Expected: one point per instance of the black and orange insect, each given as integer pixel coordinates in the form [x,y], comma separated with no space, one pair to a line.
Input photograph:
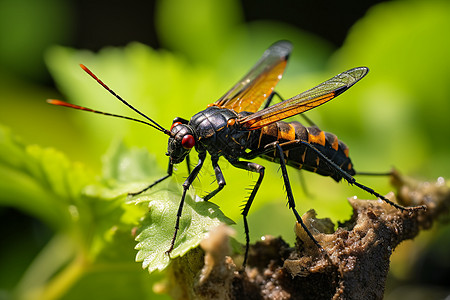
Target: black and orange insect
[235,128]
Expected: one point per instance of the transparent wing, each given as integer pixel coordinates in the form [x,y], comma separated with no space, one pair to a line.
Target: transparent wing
[251,91]
[314,97]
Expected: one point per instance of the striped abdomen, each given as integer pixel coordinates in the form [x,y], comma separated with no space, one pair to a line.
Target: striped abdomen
[302,157]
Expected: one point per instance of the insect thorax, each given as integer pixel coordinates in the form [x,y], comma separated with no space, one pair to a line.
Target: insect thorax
[216,135]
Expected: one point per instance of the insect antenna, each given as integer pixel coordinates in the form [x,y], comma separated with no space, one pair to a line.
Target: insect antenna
[62,103]
[153,123]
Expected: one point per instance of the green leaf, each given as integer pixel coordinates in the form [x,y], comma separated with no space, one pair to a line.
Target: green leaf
[124,170]
[92,231]
[157,229]
[40,181]
[131,169]
[93,220]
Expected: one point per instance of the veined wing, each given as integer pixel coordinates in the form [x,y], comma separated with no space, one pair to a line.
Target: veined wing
[314,97]
[251,91]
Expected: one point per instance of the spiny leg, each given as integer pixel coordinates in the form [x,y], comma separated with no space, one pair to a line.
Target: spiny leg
[280,148]
[290,196]
[349,178]
[186,185]
[219,177]
[249,166]
[310,123]
[169,173]
[294,144]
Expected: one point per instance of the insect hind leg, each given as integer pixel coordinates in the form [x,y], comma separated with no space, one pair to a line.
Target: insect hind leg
[290,196]
[350,179]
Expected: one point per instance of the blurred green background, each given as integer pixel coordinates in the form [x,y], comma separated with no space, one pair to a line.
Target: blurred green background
[171,58]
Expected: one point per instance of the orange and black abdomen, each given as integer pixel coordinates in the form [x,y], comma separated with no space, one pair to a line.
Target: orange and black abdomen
[302,157]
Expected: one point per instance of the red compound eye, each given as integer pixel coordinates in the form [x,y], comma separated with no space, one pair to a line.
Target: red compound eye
[174,124]
[188,141]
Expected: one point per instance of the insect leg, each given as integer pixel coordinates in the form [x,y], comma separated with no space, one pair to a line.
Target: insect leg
[352,180]
[269,99]
[310,123]
[260,151]
[186,185]
[290,196]
[249,166]
[219,178]
[268,148]
[169,173]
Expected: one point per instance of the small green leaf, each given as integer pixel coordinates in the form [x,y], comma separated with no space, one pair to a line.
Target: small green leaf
[131,169]
[157,229]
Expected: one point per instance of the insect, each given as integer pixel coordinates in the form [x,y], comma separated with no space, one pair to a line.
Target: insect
[235,128]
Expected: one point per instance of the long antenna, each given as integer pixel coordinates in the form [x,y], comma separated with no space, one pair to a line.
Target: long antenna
[62,103]
[118,97]
[154,124]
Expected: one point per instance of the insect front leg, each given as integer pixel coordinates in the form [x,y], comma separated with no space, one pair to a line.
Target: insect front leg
[219,177]
[169,173]
[186,185]
[249,166]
